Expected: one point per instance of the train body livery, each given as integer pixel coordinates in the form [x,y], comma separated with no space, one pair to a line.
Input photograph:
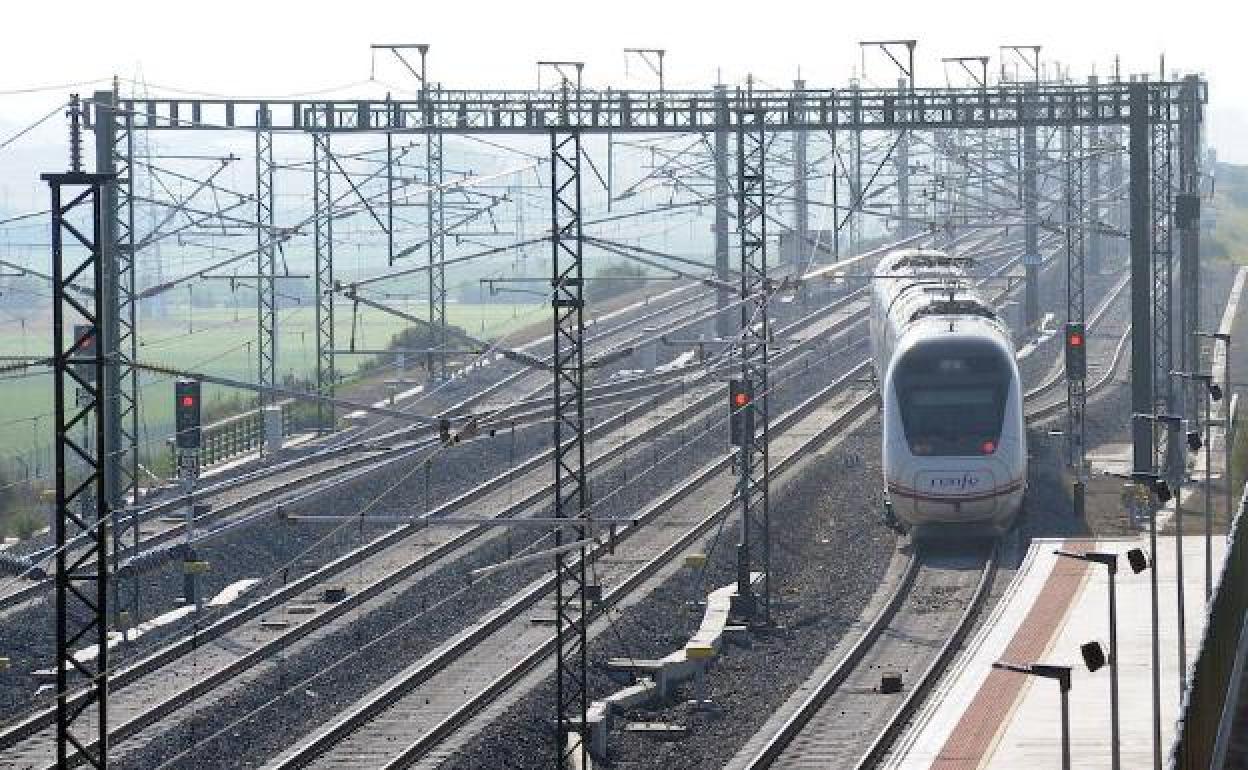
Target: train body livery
[954,442]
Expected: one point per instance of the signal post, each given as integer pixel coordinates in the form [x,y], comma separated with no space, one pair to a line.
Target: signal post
[187,439]
[1076,342]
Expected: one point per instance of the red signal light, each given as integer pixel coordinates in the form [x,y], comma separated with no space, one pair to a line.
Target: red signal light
[188,401]
[741,399]
[1076,339]
[988,447]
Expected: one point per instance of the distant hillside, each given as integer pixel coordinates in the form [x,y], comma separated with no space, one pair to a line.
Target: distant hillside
[1230,201]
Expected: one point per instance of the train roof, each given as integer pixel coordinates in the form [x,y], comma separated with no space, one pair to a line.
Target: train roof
[927,284]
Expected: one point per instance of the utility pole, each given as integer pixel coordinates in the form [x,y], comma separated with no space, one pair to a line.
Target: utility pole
[1187,220]
[572,701]
[724,326]
[801,210]
[753,492]
[82,507]
[902,162]
[323,216]
[1095,210]
[266,280]
[118,333]
[1031,217]
[1076,392]
[1142,460]
[435,201]
[855,184]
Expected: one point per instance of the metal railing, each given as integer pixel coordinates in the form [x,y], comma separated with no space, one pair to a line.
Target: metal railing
[236,435]
[1208,710]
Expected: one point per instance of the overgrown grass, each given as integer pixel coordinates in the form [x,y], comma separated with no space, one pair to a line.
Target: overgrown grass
[1229,238]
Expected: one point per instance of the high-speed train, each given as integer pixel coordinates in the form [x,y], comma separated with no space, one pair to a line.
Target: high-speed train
[954,442]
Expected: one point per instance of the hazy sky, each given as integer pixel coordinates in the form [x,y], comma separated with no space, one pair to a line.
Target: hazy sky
[283,48]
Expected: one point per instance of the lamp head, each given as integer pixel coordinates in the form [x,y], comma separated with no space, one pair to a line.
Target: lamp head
[1162,490]
[1093,655]
[1193,440]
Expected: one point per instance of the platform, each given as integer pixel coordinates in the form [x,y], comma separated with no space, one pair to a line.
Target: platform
[979,718]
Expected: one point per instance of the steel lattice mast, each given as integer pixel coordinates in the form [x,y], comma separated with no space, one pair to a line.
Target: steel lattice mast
[569,420]
[752,490]
[81,389]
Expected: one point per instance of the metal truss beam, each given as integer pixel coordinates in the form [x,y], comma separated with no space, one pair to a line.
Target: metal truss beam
[1077,218]
[114,151]
[801,197]
[1031,228]
[622,111]
[81,388]
[266,265]
[1096,209]
[1161,207]
[752,488]
[1139,143]
[902,163]
[723,190]
[114,155]
[323,203]
[435,201]
[571,489]
[1187,221]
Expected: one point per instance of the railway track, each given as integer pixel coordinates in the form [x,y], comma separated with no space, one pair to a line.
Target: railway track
[404,721]
[922,624]
[130,726]
[929,613]
[375,568]
[429,701]
[164,523]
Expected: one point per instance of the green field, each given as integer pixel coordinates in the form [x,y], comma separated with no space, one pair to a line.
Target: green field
[215,341]
[1230,215]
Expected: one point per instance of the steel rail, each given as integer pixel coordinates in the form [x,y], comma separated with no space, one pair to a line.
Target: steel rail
[829,684]
[32,724]
[387,696]
[866,643]
[378,703]
[932,674]
[265,475]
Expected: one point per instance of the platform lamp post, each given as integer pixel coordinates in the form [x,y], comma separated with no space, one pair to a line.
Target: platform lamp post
[1160,490]
[1048,671]
[1093,658]
[1139,563]
[1212,393]
[1175,423]
[1225,339]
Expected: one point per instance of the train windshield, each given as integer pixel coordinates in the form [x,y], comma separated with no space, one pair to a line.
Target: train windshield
[952,398]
